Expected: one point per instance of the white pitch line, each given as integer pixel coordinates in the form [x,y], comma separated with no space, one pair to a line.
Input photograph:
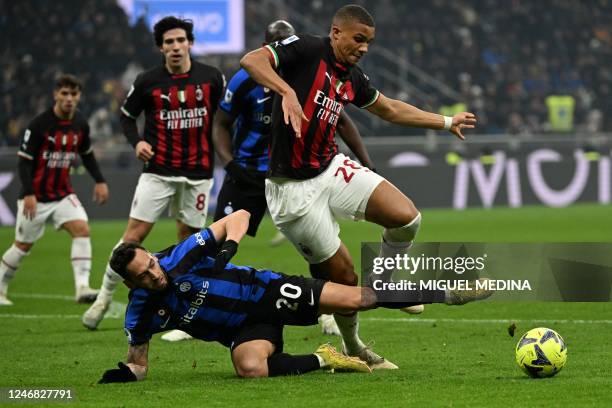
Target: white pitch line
[481,321]
[46,316]
[371,319]
[41,296]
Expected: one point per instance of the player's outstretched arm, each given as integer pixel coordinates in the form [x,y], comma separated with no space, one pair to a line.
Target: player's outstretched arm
[350,134]
[232,227]
[401,113]
[257,63]
[230,230]
[134,370]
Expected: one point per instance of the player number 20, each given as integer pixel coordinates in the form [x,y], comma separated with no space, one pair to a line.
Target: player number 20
[289,291]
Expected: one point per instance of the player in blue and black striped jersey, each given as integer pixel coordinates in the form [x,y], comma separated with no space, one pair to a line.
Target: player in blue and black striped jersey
[194,287]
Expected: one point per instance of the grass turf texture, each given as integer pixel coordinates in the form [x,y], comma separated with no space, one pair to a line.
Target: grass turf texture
[449,356]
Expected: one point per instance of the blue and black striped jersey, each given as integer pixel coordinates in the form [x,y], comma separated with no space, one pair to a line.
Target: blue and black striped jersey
[251,106]
[210,306]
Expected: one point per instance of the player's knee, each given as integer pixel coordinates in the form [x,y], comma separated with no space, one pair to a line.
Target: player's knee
[250,367]
[405,233]
[24,246]
[80,230]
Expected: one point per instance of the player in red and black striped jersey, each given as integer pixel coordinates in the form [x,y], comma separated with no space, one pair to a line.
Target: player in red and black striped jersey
[310,184]
[178,118]
[179,99]
[48,149]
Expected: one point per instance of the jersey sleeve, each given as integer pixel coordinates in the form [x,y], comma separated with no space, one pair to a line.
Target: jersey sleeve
[134,102]
[236,93]
[139,317]
[188,252]
[85,146]
[31,141]
[294,50]
[365,93]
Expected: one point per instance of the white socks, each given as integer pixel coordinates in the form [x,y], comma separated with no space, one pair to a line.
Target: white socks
[399,240]
[349,327]
[8,265]
[80,256]
[110,281]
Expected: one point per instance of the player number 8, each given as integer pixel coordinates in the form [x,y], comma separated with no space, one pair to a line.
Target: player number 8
[292,292]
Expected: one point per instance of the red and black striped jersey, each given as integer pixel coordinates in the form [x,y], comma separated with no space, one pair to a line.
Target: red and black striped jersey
[179,112]
[323,87]
[52,144]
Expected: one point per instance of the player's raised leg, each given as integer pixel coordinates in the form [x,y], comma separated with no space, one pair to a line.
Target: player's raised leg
[392,209]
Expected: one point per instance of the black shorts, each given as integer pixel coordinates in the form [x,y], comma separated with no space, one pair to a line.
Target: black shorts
[260,331]
[289,300]
[235,196]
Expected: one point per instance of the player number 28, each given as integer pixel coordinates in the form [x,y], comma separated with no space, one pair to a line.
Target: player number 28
[348,174]
[289,291]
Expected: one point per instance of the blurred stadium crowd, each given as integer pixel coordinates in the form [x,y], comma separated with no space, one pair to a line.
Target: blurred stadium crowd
[524,67]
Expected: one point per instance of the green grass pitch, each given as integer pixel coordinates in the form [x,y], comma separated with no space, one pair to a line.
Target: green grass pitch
[448,356]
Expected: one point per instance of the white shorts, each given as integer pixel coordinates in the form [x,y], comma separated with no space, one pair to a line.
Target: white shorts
[305,211]
[188,199]
[67,209]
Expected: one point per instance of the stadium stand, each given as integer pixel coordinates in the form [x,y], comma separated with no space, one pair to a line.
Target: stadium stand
[527,67]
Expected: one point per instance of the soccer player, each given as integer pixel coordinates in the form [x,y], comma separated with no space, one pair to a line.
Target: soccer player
[241,135]
[46,154]
[179,99]
[194,287]
[310,185]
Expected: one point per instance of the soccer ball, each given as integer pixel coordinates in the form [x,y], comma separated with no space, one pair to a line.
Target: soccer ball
[541,352]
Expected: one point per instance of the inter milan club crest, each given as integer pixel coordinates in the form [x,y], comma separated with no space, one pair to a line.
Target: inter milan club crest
[161,312]
[185,287]
[199,94]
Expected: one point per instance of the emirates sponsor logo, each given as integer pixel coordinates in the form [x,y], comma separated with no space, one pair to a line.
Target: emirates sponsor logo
[181,113]
[183,118]
[329,109]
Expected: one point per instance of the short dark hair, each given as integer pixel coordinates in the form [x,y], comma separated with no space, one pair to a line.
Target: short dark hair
[353,12]
[169,23]
[122,256]
[68,81]
[278,30]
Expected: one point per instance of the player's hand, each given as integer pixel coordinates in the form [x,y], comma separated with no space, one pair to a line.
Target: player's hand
[121,374]
[100,193]
[144,151]
[462,120]
[292,112]
[242,176]
[228,250]
[29,206]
